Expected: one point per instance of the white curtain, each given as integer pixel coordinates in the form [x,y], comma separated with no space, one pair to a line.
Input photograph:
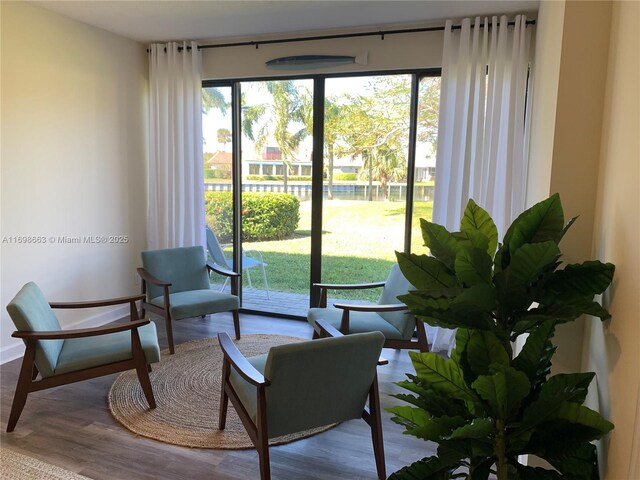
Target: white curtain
[481,130]
[176,183]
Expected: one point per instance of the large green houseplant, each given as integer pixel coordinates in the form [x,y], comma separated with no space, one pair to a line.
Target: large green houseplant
[485,405]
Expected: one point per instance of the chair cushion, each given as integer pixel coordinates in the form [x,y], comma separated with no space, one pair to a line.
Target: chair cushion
[197,302]
[318,382]
[185,268]
[81,353]
[396,284]
[31,312]
[359,322]
[313,383]
[246,391]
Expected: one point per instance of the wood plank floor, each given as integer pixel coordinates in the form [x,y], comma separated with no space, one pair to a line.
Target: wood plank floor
[71,427]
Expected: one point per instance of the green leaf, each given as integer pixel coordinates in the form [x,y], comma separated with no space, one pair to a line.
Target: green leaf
[441,243]
[503,391]
[570,430]
[479,428]
[579,414]
[535,357]
[565,229]
[537,473]
[431,468]
[475,219]
[580,464]
[470,239]
[516,284]
[432,402]
[483,350]
[555,392]
[425,272]
[478,298]
[413,419]
[542,222]
[585,280]
[572,386]
[462,338]
[443,376]
[559,313]
[529,262]
[473,266]
[420,424]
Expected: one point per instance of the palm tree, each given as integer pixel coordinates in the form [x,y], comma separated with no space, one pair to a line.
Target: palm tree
[284,119]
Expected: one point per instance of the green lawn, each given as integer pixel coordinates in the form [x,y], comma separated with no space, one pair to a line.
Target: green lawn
[358,243]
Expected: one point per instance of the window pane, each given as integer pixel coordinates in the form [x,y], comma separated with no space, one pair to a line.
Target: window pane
[365,164]
[425,173]
[216,130]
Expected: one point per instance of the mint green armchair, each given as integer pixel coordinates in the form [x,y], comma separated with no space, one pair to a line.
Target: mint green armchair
[61,356]
[389,316]
[304,385]
[176,284]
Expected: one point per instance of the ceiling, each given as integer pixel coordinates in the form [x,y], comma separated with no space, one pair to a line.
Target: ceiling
[148,21]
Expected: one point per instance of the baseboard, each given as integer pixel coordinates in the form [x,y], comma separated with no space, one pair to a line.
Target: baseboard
[16,349]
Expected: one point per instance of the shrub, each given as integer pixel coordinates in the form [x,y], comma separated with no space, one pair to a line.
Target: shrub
[345,176]
[265,216]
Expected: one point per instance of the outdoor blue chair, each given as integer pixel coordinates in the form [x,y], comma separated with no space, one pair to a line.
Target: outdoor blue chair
[61,356]
[389,316]
[249,260]
[176,284]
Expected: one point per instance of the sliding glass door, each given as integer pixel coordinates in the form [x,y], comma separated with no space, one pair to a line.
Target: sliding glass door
[276,139]
[366,139]
[334,210]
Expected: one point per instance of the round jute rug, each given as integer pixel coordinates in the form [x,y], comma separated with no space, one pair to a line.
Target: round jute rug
[186,386]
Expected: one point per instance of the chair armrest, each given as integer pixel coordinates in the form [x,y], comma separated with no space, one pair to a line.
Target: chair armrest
[221,270]
[79,333]
[147,277]
[349,286]
[97,303]
[327,330]
[372,308]
[239,362]
[253,254]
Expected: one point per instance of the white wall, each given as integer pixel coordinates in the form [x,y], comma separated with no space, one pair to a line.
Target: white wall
[584,145]
[404,51]
[73,153]
[611,349]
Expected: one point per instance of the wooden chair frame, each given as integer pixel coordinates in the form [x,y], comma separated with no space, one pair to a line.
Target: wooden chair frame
[27,382]
[421,343]
[165,311]
[258,432]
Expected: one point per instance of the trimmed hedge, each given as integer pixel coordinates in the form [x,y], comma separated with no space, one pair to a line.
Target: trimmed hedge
[265,216]
[345,176]
[291,178]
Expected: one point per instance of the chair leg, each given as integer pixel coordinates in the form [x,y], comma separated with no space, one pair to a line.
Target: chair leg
[236,323]
[423,343]
[141,368]
[167,320]
[224,398]
[266,285]
[246,271]
[376,429]
[263,436]
[22,388]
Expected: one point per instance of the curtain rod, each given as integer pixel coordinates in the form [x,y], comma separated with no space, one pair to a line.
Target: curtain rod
[381,33]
